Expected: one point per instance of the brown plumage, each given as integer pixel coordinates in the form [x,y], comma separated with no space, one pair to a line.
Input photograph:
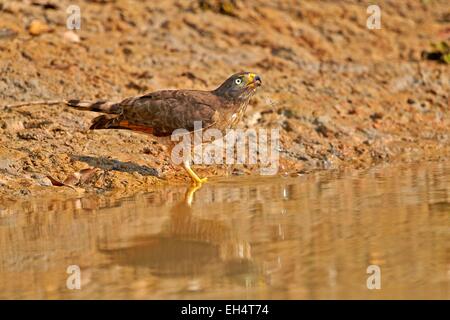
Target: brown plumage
[160,113]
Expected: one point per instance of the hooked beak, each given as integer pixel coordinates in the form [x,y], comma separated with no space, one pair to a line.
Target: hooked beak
[254,80]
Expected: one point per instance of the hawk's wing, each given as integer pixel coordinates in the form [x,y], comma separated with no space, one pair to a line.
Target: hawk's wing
[162,112]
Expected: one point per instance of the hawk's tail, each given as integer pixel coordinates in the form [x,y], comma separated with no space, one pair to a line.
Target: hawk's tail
[98,106]
[105,121]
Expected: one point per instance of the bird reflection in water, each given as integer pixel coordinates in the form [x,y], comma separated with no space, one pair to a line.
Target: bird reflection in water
[189,246]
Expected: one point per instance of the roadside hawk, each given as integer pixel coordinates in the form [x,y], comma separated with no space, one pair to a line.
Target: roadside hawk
[160,113]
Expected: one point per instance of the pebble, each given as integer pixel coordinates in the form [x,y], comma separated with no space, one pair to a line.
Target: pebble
[38,27]
[42,180]
[71,36]
[6,33]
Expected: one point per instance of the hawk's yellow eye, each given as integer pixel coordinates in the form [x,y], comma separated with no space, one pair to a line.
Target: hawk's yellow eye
[238,81]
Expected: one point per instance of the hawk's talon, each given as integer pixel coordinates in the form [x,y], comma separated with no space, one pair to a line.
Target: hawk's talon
[201,181]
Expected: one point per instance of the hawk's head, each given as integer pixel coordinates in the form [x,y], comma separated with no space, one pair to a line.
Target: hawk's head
[240,86]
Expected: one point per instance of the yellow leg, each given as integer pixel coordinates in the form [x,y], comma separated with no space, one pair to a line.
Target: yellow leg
[189,196]
[195,178]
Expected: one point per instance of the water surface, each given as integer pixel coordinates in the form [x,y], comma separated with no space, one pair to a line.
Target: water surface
[309,237]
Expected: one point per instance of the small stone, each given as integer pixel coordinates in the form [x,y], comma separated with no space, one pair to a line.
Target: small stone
[7,34]
[42,180]
[15,125]
[71,36]
[6,165]
[38,27]
[376,116]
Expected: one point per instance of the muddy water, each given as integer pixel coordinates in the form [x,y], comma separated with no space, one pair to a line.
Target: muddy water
[311,237]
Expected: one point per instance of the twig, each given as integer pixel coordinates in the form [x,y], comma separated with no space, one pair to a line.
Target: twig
[32,103]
